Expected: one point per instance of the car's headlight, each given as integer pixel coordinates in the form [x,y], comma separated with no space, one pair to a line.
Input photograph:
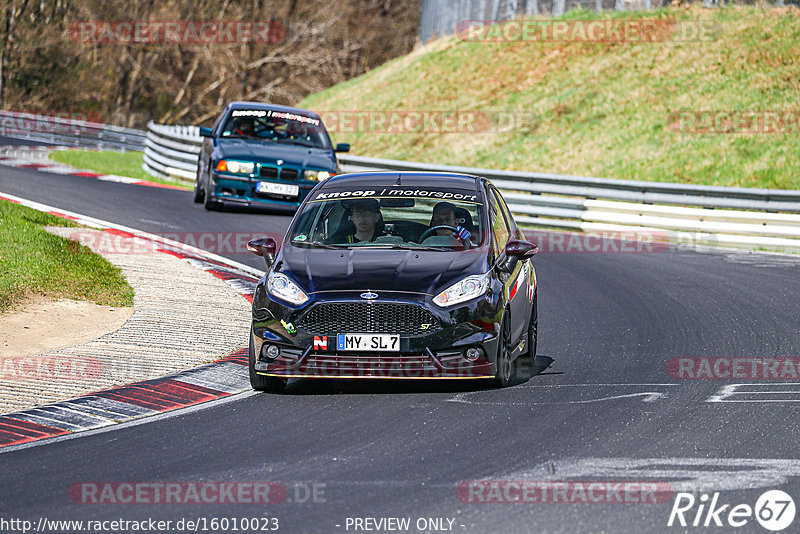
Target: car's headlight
[463,290]
[236,167]
[284,288]
[316,175]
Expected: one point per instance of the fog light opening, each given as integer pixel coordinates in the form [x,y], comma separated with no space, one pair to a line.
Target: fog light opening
[270,352]
[472,354]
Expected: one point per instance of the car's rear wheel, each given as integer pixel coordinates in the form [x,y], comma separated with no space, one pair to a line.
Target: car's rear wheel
[533,335]
[502,375]
[198,188]
[259,382]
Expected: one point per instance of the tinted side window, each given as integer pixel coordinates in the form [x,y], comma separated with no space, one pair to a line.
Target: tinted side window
[511,223]
[499,226]
[217,121]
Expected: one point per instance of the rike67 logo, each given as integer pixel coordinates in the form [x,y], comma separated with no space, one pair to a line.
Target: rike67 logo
[774,510]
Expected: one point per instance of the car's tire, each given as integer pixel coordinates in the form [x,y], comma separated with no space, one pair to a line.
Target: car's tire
[262,383]
[503,361]
[533,337]
[198,188]
[208,201]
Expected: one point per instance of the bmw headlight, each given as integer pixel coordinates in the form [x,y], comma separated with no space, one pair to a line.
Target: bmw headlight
[316,175]
[284,288]
[463,290]
[236,167]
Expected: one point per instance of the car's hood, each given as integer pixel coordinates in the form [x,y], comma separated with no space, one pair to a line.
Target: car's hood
[266,152]
[379,269]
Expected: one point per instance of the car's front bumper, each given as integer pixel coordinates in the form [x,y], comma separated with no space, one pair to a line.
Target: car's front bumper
[242,191]
[438,355]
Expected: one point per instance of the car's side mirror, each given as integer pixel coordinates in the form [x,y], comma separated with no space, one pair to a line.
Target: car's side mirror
[342,147]
[265,247]
[205,132]
[517,248]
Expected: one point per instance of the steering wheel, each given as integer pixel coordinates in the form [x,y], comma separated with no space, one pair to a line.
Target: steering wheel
[429,232]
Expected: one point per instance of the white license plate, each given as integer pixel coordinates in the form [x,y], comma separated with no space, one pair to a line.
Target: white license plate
[278,189]
[369,342]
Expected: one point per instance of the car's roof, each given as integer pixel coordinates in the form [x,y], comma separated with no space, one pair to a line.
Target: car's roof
[449,180]
[268,107]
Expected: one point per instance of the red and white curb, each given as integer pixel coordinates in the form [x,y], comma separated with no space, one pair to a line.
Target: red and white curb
[212,381]
[37,164]
[216,380]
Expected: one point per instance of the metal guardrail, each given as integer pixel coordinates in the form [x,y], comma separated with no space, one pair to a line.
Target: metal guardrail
[62,131]
[697,214]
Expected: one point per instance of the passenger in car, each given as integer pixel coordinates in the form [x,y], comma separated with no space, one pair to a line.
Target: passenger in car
[366,225]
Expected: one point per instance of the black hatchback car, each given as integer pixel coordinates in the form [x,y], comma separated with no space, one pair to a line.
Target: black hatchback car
[263,155]
[396,275]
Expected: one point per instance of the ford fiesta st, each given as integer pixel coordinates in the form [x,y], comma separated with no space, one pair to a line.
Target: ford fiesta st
[263,155]
[396,275]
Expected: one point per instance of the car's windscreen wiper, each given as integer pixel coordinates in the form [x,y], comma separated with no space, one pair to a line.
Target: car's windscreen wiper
[404,246]
[316,244]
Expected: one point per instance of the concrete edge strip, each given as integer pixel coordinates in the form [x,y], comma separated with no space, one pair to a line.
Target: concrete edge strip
[56,168]
[208,382]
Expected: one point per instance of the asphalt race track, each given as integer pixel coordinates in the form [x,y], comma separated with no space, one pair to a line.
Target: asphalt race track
[607,410]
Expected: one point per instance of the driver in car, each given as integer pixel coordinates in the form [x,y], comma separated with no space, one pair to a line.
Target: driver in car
[244,126]
[444,214]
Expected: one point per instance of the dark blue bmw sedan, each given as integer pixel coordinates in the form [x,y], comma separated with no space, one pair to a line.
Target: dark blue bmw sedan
[263,155]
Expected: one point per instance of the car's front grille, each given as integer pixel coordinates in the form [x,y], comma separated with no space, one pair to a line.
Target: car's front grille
[285,174]
[269,172]
[366,317]
[289,174]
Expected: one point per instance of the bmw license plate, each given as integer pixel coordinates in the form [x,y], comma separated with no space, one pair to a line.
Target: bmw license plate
[370,342]
[288,190]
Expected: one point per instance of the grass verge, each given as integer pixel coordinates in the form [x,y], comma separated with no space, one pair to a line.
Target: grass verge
[597,109]
[110,162]
[33,261]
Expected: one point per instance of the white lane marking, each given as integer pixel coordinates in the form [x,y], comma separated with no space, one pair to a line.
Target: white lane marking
[740,392]
[649,396]
[140,420]
[683,474]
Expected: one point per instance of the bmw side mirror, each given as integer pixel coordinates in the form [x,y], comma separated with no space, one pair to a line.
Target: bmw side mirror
[266,247]
[521,249]
[342,147]
[205,132]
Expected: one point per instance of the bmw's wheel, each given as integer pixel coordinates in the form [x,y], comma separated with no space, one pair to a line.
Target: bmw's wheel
[198,189]
[259,382]
[208,201]
[503,374]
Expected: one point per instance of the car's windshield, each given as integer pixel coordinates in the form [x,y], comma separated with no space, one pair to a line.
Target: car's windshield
[407,222]
[276,127]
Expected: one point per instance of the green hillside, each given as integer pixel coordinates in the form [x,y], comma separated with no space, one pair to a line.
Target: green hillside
[600,109]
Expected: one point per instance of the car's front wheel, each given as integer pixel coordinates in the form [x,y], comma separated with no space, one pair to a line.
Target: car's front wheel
[208,200]
[502,375]
[259,382]
[198,187]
